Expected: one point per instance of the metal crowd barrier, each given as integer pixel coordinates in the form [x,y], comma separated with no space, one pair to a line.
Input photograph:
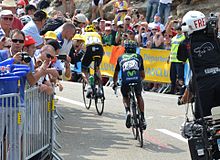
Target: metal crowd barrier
[27,130]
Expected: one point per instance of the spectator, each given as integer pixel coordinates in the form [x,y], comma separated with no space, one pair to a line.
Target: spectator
[29,47]
[80,20]
[32,28]
[20,12]
[152,7]
[21,4]
[97,5]
[107,37]
[30,9]
[131,34]
[167,41]
[119,33]
[50,35]
[164,9]
[127,23]
[11,5]
[120,10]
[102,26]
[47,53]
[65,33]
[157,23]
[144,35]
[158,40]
[6,19]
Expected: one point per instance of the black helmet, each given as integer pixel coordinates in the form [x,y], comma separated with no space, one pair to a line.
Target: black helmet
[130,46]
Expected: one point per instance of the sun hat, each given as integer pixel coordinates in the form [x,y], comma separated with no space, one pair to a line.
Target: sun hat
[50,35]
[29,41]
[8,3]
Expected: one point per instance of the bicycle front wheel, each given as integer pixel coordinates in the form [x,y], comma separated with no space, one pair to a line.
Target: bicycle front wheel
[87,101]
[99,102]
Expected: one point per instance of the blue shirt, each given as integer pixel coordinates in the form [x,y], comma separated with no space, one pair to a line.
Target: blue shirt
[31,29]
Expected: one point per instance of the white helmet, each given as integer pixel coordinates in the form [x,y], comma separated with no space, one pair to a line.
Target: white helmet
[193,21]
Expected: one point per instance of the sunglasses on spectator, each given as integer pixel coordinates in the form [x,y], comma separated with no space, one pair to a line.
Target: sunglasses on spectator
[7,46]
[7,18]
[107,24]
[17,40]
[49,56]
[127,19]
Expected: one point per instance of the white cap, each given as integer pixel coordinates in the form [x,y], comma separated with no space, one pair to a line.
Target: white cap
[129,17]
[20,11]
[6,13]
[120,23]
[81,18]
[108,28]
[108,22]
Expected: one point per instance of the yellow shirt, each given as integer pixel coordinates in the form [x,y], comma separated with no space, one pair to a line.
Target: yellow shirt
[92,38]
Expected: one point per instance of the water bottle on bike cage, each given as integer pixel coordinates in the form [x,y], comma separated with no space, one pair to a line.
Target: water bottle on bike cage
[91,80]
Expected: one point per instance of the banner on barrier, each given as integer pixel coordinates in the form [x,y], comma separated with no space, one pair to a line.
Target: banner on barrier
[155,64]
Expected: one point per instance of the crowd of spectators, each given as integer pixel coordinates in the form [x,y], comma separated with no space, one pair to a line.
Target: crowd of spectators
[153,31]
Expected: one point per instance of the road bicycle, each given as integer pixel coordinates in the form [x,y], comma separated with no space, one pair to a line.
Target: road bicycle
[96,86]
[136,121]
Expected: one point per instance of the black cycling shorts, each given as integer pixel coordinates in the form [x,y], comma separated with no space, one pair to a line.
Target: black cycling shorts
[125,88]
[92,50]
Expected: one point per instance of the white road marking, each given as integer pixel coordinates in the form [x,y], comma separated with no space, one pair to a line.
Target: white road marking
[70,101]
[172,134]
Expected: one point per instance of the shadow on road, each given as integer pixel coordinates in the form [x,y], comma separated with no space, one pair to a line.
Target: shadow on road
[84,136]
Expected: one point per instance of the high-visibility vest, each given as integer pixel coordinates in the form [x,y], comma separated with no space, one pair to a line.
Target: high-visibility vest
[175,42]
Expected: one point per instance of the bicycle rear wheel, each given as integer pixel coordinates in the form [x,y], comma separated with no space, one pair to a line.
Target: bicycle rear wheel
[87,101]
[99,101]
[140,131]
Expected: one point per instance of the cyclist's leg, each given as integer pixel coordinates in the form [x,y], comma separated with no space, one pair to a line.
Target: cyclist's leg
[140,101]
[126,101]
[86,61]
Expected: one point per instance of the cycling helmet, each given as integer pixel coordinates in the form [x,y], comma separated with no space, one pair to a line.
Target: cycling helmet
[130,46]
[90,28]
[193,21]
[25,19]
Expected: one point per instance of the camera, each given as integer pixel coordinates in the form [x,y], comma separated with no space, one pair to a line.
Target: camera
[25,57]
[61,57]
[212,24]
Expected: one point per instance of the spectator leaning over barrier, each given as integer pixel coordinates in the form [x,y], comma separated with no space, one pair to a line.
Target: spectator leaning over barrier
[47,54]
[177,67]
[157,23]
[33,27]
[29,47]
[152,7]
[15,51]
[65,33]
[97,5]
[6,19]
[164,9]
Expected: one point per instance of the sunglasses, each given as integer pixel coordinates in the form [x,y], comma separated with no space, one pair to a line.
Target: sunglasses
[49,56]
[127,19]
[7,46]
[7,18]
[17,40]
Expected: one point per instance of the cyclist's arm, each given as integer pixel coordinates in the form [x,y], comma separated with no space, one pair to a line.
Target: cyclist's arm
[115,76]
[142,73]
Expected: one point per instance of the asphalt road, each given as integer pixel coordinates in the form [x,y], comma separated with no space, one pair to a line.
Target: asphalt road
[88,136]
